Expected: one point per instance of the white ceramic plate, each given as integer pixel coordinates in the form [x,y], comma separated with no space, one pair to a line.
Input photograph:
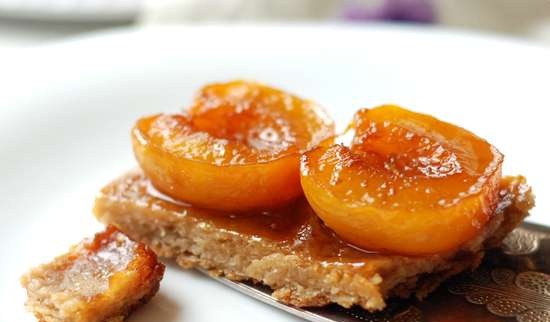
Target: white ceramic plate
[66,111]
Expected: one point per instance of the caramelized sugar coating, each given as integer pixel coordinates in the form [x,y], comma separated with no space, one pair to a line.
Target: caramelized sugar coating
[408,183]
[237,148]
[102,279]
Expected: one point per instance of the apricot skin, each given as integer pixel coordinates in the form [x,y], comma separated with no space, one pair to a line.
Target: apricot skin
[237,149]
[408,183]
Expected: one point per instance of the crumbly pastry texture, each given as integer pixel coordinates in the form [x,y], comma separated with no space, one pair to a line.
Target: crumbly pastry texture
[99,280]
[303,262]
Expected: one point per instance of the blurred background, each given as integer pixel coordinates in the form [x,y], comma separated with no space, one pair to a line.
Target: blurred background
[33,22]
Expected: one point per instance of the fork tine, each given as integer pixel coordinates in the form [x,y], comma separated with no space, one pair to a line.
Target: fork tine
[263,293]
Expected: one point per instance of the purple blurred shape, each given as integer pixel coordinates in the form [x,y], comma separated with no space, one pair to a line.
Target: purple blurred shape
[395,10]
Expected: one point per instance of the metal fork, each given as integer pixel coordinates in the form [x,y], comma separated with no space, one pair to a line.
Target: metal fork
[330,313]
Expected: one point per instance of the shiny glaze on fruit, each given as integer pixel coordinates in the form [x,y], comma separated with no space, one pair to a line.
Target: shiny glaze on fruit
[407,183]
[241,137]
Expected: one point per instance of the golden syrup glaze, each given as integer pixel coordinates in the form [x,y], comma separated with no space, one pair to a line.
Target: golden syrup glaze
[295,227]
[238,136]
[407,182]
[261,123]
[96,263]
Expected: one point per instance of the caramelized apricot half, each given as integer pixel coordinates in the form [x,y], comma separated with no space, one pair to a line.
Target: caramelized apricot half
[407,183]
[237,148]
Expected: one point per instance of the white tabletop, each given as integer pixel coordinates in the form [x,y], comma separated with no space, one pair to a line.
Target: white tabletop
[26,23]
[24,33]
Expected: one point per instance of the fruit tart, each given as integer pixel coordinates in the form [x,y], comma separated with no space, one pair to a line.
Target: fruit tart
[252,183]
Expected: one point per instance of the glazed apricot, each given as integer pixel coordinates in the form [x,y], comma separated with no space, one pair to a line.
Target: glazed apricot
[237,148]
[407,183]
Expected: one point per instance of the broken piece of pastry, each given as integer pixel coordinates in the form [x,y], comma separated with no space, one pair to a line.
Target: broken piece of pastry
[99,280]
[409,202]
